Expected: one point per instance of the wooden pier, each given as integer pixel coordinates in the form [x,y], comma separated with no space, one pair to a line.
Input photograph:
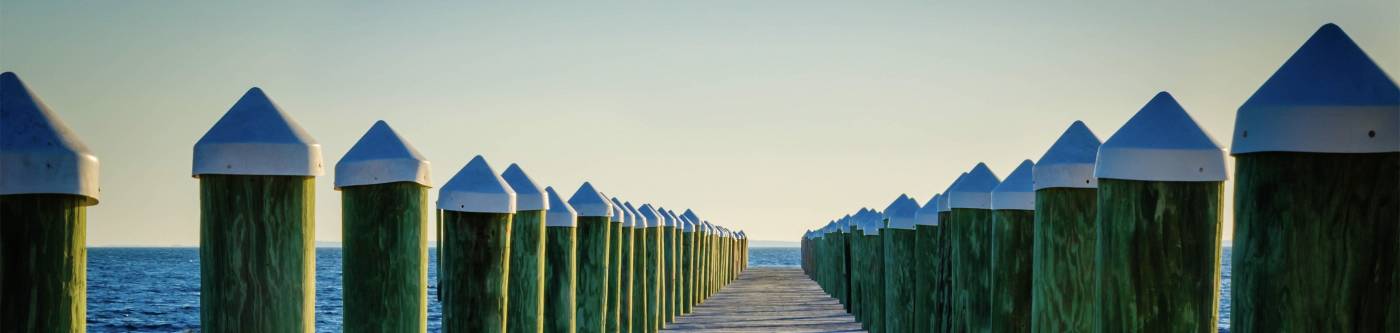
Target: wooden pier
[768,300]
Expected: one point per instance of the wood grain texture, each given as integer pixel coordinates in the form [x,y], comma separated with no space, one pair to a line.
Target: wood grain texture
[475,270]
[524,311]
[612,317]
[1013,232]
[669,273]
[972,283]
[899,280]
[385,257]
[593,232]
[925,257]
[653,287]
[561,278]
[43,263]
[640,268]
[943,307]
[1316,247]
[627,276]
[1062,264]
[257,253]
[687,244]
[876,284]
[1157,266]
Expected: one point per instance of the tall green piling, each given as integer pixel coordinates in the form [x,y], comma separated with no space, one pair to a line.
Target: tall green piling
[256,170]
[943,268]
[925,258]
[49,178]
[858,270]
[874,294]
[560,270]
[594,211]
[970,232]
[1013,234]
[687,285]
[653,266]
[693,250]
[613,315]
[383,183]
[841,266]
[477,207]
[1157,267]
[899,264]
[641,317]
[626,262]
[1317,160]
[668,247]
[525,310]
[1062,263]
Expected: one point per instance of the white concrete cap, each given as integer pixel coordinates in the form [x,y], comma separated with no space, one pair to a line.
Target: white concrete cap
[901,212]
[691,214]
[1070,161]
[974,190]
[1161,143]
[742,235]
[666,219]
[39,154]
[638,221]
[256,138]
[476,189]
[528,194]
[650,216]
[381,157]
[559,213]
[1017,191]
[1329,97]
[928,213]
[943,202]
[688,224]
[588,202]
[626,215]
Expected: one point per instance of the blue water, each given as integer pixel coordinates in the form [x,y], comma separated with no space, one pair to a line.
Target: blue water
[157,289]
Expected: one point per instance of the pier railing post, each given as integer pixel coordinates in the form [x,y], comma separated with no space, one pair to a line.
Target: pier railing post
[687,245]
[899,264]
[1013,231]
[653,265]
[527,257]
[926,228]
[561,260]
[477,207]
[668,245]
[627,305]
[1066,201]
[594,221]
[613,315]
[943,268]
[970,223]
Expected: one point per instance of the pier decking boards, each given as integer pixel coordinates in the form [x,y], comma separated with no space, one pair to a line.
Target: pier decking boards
[768,300]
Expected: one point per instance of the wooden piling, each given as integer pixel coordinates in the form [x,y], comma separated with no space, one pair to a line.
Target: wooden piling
[477,207]
[594,220]
[687,283]
[970,228]
[641,321]
[613,315]
[653,266]
[668,252]
[561,260]
[898,263]
[925,260]
[525,309]
[1066,194]
[627,262]
[1012,237]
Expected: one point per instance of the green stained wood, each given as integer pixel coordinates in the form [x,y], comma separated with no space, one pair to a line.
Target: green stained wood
[1013,232]
[899,279]
[971,231]
[943,272]
[476,265]
[1316,247]
[626,276]
[560,279]
[640,322]
[669,274]
[684,284]
[43,263]
[1157,263]
[525,312]
[842,268]
[592,272]
[612,317]
[925,285]
[653,287]
[437,246]
[1062,294]
[384,257]
[858,273]
[876,283]
[257,253]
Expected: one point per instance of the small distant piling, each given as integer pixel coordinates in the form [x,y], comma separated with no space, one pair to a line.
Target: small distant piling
[527,256]
[970,231]
[899,264]
[477,208]
[1066,201]
[256,169]
[49,179]
[594,211]
[1013,232]
[383,183]
[1158,247]
[561,260]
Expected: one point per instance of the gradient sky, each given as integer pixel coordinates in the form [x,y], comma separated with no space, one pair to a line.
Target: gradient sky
[767,116]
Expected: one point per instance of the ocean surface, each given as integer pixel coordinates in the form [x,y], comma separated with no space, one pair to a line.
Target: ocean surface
[157,289]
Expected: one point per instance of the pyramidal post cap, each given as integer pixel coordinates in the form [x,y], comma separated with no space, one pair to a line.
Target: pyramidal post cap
[628,220]
[381,156]
[974,190]
[943,203]
[688,224]
[638,221]
[617,214]
[528,195]
[590,203]
[1016,192]
[1328,97]
[691,214]
[558,213]
[650,216]
[477,189]
[901,212]
[1161,143]
[928,213]
[255,137]
[666,219]
[39,154]
[1069,163]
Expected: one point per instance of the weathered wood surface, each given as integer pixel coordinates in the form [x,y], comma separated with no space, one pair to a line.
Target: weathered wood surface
[385,257]
[1316,243]
[560,279]
[653,287]
[899,280]
[1062,294]
[859,272]
[925,259]
[971,230]
[687,288]
[525,308]
[592,273]
[257,253]
[613,317]
[1013,232]
[627,280]
[669,274]
[1158,256]
[640,286]
[768,300]
[475,267]
[43,263]
[876,283]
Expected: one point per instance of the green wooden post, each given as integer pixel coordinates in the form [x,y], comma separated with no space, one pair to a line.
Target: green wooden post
[1013,234]
[525,310]
[925,259]
[687,245]
[1157,267]
[48,177]
[1317,160]
[613,315]
[858,270]
[627,263]
[477,208]
[668,247]
[560,270]
[943,269]
[898,263]
[641,320]
[384,183]
[1062,263]
[653,266]
[842,266]
[256,170]
[874,238]
[970,228]
[594,211]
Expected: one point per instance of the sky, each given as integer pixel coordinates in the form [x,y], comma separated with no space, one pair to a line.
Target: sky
[771,117]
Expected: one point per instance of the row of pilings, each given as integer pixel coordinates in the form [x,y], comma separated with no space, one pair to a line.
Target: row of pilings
[1125,235]
[513,256]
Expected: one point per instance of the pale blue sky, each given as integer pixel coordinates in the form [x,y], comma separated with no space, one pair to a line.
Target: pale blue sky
[767,116]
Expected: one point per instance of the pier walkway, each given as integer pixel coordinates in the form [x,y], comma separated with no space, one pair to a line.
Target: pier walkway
[768,300]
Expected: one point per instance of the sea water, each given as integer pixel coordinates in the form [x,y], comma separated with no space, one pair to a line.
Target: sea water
[157,289]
